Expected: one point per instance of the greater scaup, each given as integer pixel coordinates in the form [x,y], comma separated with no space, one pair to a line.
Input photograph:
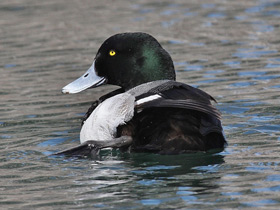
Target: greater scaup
[150,112]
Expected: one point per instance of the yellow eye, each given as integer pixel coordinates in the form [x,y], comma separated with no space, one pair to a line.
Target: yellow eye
[112,52]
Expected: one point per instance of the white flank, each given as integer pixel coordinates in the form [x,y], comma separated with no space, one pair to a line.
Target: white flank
[149,98]
[103,122]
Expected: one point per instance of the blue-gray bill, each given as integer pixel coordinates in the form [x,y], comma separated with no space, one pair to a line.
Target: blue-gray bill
[87,80]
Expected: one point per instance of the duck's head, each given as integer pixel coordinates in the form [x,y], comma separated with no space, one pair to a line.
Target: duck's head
[126,60]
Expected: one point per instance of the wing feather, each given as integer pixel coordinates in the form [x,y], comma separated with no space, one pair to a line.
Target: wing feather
[184,104]
[177,95]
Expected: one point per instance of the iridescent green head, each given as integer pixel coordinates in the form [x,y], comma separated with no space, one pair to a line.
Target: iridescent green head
[128,60]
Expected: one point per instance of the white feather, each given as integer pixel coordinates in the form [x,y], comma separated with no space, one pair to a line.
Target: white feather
[149,98]
[103,122]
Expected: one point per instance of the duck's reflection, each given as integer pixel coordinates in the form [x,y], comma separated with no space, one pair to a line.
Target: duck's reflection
[148,178]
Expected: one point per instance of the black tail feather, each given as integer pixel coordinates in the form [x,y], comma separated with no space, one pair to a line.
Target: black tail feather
[91,148]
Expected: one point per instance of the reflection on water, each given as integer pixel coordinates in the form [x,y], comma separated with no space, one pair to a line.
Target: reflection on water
[146,179]
[228,48]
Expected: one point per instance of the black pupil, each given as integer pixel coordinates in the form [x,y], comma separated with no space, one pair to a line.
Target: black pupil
[86,75]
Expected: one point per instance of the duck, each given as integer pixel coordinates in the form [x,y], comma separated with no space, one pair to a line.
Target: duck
[150,111]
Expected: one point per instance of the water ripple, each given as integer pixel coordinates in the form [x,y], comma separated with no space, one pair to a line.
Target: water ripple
[227,49]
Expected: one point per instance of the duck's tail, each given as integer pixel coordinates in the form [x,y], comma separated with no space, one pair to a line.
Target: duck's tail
[91,148]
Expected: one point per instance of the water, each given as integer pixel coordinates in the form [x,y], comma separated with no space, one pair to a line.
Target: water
[228,48]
